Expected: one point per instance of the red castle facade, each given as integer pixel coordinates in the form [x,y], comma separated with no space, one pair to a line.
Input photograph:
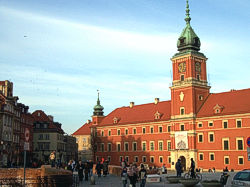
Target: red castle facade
[212,128]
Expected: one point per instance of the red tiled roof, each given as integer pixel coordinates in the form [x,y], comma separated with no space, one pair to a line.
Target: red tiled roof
[41,117]
[233,102]
[138,114]
[2,82]
[84,130]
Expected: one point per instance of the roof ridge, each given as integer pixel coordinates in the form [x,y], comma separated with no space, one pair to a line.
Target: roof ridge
[231,91]
[142,104]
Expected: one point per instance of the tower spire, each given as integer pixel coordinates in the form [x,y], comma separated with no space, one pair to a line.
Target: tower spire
[98,109]
[187,19]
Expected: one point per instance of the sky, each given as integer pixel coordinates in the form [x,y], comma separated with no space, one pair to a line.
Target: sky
[59,53]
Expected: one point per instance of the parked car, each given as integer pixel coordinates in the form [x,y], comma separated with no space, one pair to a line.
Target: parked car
[242,178]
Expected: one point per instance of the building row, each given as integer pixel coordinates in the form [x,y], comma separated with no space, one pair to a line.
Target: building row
[37,131]
[211,128]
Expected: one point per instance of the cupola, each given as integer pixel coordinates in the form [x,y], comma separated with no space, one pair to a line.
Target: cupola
[188,40]
[98,108]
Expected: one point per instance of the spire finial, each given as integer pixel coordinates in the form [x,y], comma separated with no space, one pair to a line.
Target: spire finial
[98,100]
[187,19]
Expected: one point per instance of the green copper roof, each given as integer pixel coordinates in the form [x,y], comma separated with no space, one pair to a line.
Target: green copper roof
[98,108]
[188,39]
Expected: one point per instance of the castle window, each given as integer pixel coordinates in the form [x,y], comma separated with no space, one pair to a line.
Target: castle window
[226,160]
[211,157]
[238,123]
[240,160]
[211,137]
[225,144]
[160,145]
[198,77]
[199,125]
[152,159]
[118,132]
[182,77]
[182,41]
[152,145]
[144,130]
[169,128]
[126,146]
[102,133]
[134,130]
[239,143]
[225,124]
[134,146]
[144,146]
[152,130]
[126,131]
[160,129]
[136,159]
[182,110]
[109,146]
[127,158]
[182,127]
[115,120]
[169,145]
[201,156]
[144,159]
[161,159]
[109,132]
[109,158]
[210,124]
[118,147]
[200,138]
[157,115]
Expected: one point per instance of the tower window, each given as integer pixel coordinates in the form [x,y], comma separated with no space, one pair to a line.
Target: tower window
[182,110]
[182,77]
[182,127]
[198,77]
[182,41]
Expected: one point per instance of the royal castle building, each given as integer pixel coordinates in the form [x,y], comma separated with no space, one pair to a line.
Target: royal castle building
[212,128]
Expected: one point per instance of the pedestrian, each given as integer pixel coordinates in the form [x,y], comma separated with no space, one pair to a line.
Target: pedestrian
[91,168]
[192,168]
[69,167]
[98,169]
[105,168]
[80,168]
[132,175]
[86,171]
[143,176]
[124,176]
[178,168]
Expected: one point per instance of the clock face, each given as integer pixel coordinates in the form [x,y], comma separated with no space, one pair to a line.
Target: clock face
[197,66]
[182,67]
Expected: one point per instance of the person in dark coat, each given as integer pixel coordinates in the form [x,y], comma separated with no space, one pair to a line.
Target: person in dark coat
[105,168]
[98,169]
[86,171]
[178,168]
[80,168]
[192,167]
[143,176]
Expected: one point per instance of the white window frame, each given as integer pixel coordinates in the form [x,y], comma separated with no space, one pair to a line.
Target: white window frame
[160,141]
[225,160]
[210,156]
[223,145]
[202,156]
[209,133]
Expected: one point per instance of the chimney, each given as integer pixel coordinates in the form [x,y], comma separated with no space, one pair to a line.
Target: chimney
[131,104]
[88,121]
[51,118]
[157,100]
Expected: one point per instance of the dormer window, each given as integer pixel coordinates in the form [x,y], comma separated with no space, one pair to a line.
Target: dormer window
[115,120]
[38,114]
[157,115]
[201,97]
[218,109]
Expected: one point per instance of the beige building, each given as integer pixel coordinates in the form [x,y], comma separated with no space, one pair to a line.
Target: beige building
[48,137]
[83,139]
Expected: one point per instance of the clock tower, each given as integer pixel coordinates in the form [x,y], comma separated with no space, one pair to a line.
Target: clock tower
[189,87]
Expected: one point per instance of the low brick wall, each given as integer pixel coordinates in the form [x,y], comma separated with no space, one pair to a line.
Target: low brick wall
[34,176]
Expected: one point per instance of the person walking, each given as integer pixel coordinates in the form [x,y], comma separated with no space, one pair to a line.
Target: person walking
[132,175]
[105,168]
[80,168]
[124,176]
[86,171]
[178,168]
[143,176]
[98,169]
[192,168]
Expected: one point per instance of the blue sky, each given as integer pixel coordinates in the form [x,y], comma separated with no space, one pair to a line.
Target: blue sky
[121,47]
